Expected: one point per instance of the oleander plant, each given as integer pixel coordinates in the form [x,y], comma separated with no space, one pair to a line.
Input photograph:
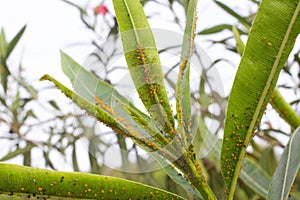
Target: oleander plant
[172,128]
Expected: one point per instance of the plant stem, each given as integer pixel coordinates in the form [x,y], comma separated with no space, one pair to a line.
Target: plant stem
[195,176]
[284,109]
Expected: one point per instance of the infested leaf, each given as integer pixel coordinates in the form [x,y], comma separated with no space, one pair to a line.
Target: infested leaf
[144,63]
[26,181]
[266,51]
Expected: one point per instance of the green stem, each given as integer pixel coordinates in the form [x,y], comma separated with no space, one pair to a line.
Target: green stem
[195,175]
[284,109]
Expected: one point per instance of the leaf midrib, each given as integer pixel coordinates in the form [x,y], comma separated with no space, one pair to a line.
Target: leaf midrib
[265,91]
[132,22]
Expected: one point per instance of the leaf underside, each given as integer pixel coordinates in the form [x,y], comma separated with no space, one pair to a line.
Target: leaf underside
[287,169]
[267,50]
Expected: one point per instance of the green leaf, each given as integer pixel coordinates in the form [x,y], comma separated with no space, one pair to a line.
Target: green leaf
[14,42]
[278,102]
[33,92]
[266,52]
[26,181]
[287,169]
[4,71]
[143,62]
[88,86]
[242,20]
[17,152]
[95,90]
[28,114]
[268,160]
[217,29]
[54,104]
[239,43]
[105,114]
[205,142]
[254,176]
[176,175]
[5,50]
[146,124]
[3,46]
[183,96]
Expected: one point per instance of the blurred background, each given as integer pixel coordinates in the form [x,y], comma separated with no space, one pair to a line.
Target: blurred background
[40,127]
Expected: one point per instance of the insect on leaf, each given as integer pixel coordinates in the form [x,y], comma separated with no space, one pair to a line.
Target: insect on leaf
[43,183]
[143,62]
[266,51]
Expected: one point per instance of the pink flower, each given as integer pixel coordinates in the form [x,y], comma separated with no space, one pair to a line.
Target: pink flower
[101,9]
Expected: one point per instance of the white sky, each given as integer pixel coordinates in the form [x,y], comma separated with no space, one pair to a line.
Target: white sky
[53,25]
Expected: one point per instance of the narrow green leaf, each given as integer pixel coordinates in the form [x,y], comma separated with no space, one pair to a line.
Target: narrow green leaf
[143,62]
[254,176]
[33,92]
[102,113]
[243,20]
[287,169]
[183,96]
[266,52]
[28,114]
[54,105]
[14,41]
[5,50]
[3,45]
[44,183]
[47,160]
[89,86]
[4,71]
[240,46]
[268,160]
[17,152]
[205,142]
[217,29]
[146,124]
[176,175]
[160,154]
